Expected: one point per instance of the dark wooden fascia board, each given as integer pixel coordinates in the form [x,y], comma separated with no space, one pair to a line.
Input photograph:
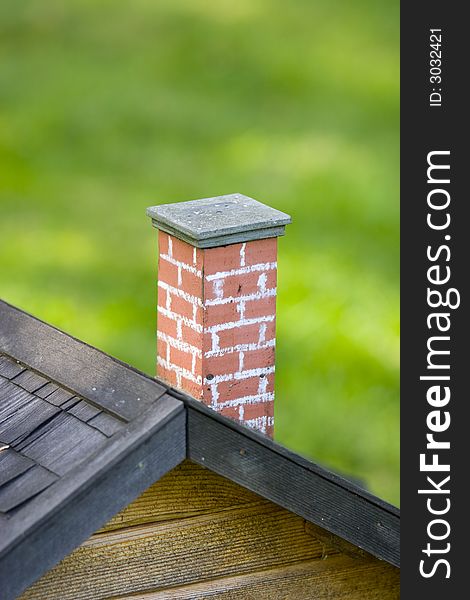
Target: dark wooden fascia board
[71,510]
[103,380]
[346,482]
[270,470]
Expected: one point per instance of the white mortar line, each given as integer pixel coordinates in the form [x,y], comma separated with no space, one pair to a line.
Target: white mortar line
[239,375]
[266,293]
[262,282]
[179,344]
[241,309]
[254,399]
[215,343]
[180,293]
[242,255]
[263,384]
[239,348]
[183,265]
[179,329]
[214,394]
[180,278]
[218,288]
[262,333]
[260,423]
[197,302]
[194,255]
[179,371]
[170,247]
[241,323]
[242,271]
[175,317]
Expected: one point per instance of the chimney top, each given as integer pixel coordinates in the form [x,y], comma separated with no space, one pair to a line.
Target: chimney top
[216,303]
[219,221]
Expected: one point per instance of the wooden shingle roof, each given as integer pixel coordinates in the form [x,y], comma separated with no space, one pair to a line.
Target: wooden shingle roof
[84,434]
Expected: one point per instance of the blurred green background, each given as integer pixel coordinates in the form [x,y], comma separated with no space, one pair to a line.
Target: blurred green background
[110,106]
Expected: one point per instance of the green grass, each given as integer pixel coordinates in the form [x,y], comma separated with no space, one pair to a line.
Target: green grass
[108,107]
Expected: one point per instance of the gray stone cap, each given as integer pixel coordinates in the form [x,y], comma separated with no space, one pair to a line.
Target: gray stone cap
[211,222]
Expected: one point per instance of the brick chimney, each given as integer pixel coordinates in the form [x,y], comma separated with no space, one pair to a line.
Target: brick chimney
[217,270]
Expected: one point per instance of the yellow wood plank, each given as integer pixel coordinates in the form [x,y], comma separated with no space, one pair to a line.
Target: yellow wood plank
[338,577]
[186,491]
[175,553]
[330,539]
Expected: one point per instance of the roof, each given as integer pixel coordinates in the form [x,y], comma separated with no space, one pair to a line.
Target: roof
[85,434]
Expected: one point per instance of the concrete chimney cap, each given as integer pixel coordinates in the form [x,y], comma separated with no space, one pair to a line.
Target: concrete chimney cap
[219,221]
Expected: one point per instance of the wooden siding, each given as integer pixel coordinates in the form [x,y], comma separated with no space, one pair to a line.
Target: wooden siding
[277,474]
[337,578]
[187,491]
[195,534]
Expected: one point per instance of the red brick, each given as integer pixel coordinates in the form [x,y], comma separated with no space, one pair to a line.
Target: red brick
[244,285]
[237,388]
[270,409]
[270,333]
[241,285]
[223,258]
[221,313]
[162,297]
[212,261]
[263,307]
[199,315]
[198,366]
[167,272]
[181,359]
[162,349]
[163,242]
[234,285]
[261,251]
[182,307]
[191,336]
[191,388]
[191,284]
[184,252]
[210,287]
[166,375]
[206,343]
[232,412]
[252,411]
[270,384]
[271,278]
[207,394]
[221,365]
[258,359]
[246,334]
[166,325]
